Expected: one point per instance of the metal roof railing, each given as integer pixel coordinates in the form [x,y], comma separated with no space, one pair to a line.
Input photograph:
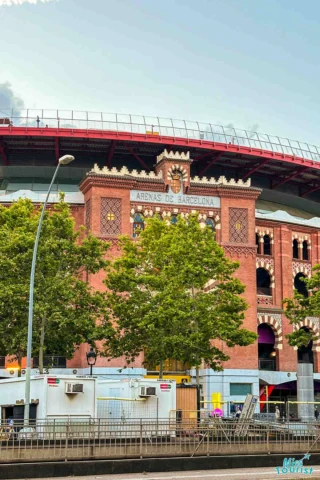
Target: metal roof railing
[157,126]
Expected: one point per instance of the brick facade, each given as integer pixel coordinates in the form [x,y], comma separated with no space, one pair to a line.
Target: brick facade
[236,232]
[109,209]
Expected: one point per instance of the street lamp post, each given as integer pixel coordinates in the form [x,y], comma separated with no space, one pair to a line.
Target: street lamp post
[91,359]
[62,161]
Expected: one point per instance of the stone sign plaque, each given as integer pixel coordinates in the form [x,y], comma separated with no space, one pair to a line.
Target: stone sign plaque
[174,199]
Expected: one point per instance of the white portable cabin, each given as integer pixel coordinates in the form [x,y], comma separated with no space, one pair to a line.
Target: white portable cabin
[52,397]
[135,408]
[133,399]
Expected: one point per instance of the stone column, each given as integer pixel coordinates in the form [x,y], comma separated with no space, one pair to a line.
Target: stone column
[305,391]
[261,244]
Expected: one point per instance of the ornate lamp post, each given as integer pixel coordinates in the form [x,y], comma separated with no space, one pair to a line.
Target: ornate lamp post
[62,161]
[91,359]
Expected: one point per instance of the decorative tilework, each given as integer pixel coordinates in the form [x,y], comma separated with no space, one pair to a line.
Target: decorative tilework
[110,216]
[264,300]
[88,215]
[300,267]
[238,225]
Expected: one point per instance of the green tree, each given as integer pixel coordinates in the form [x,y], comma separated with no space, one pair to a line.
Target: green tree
[65,307]
[158,302]
[299,307]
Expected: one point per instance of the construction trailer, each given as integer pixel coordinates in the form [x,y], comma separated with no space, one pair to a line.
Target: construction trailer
[62,398]
[85,407]
[135,399]
[134,408]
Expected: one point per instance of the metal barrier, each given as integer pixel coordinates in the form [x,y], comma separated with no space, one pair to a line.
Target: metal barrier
[56,440]
[156,126]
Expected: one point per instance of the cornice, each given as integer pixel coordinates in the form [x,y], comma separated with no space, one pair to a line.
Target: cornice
[234,192]
[291,226]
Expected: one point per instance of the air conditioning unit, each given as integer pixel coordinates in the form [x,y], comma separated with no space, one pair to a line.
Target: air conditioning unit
[147,392]
[74,388]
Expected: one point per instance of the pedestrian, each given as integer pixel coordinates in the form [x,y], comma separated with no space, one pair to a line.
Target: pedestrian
[277,414]
[316,413]
[38,121]
[238,413]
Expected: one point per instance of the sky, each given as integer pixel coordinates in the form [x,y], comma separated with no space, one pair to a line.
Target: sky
[250,63]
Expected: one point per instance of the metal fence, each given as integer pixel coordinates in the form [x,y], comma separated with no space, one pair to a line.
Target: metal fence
[99,439]
[156,126]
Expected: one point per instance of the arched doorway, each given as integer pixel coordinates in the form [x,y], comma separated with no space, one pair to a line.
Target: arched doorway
[305,354]
[300,285]
[266,352]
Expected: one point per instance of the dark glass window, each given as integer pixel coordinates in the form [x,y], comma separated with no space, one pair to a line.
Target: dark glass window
[305,353]
[240,388]
[263,282]
[266,245]
[300,285]
[305,251]
[51,361]
[295,249]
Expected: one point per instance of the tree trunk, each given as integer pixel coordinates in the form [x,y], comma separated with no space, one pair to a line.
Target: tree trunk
[196,327]
[19,358]
[161,370]
[42,333]
[197,376]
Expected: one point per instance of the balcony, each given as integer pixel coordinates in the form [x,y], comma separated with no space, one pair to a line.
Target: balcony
[51,361]
[266,364]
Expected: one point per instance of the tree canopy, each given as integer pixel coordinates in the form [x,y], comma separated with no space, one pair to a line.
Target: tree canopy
[158,300]
[65,307]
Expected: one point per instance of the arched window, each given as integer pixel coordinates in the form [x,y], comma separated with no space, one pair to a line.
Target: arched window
[267,245]
[305,251]
[305,353]
[266,350]
[263,282]
[210,224]
[300,285]
[295,249]
[174,219]
[138,224]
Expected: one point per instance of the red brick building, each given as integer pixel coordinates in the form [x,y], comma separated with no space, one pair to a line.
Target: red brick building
[262,214]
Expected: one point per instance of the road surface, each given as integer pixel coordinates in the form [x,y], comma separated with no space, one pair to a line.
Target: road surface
[233,474]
